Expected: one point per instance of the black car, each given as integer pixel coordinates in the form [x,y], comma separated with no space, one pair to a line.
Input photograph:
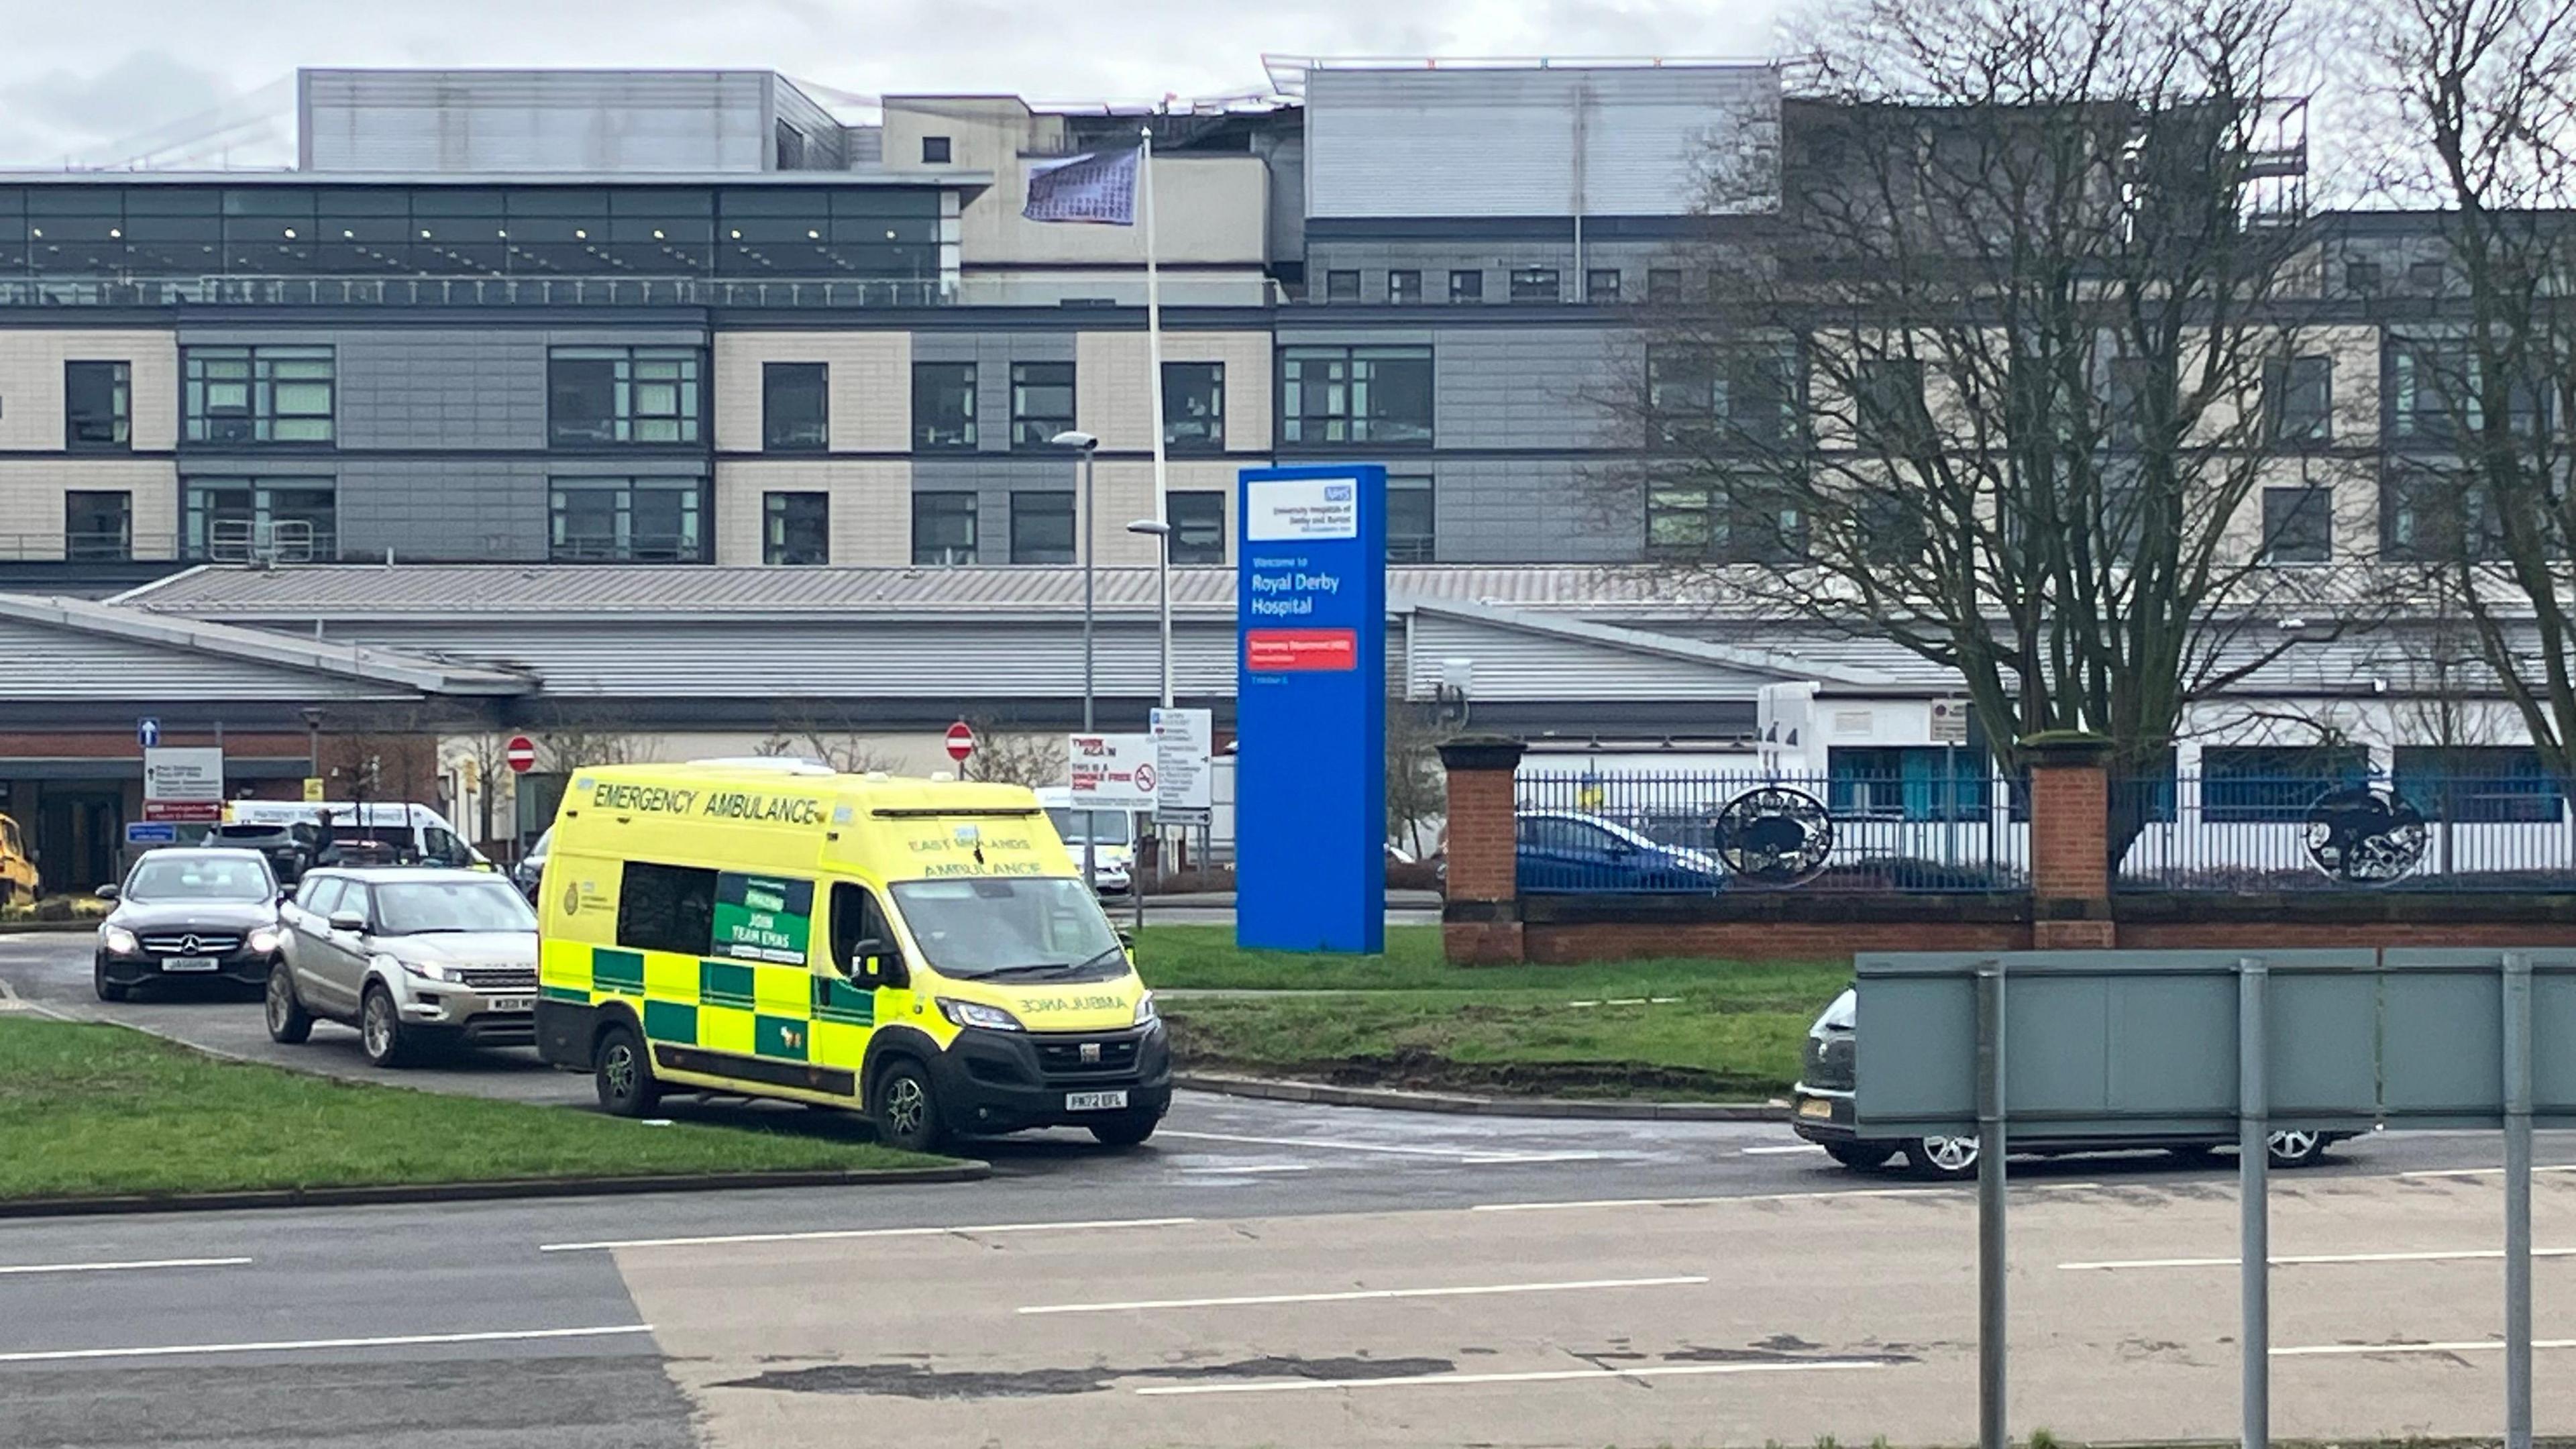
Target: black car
[530,872]
[186,913]
[291,849]
[1823,1115]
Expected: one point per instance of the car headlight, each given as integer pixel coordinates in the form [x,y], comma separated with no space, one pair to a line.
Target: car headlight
[118,939]
[263,939]
[1145,1011]
[434,971]
[976,1013]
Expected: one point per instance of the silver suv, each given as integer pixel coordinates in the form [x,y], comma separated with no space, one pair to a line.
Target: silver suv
[411,957]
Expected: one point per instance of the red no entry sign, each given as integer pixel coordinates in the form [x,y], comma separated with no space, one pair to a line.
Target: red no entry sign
[961,742]
[521,754]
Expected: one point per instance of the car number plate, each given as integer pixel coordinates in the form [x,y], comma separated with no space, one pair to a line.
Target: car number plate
[511,1003]
[1094,1101]
[1816,1107]
[190,963]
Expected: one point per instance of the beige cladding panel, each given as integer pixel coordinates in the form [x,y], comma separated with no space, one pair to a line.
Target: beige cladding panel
[1113,401]
[871,506]
[31,384]
[1207,209]
[1126,489]
[31,501]
[869,386]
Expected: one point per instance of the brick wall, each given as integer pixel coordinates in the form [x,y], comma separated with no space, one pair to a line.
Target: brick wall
[1484,849]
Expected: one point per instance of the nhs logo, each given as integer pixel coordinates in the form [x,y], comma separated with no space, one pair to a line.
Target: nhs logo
[1340,492]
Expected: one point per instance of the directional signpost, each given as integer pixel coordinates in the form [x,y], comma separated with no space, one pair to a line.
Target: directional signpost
[183,784]
[1184,773]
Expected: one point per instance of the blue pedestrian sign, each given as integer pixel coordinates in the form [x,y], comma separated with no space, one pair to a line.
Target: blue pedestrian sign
[151,832]
[147,732]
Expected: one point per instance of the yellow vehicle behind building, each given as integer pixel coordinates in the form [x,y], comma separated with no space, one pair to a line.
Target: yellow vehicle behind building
[917,950]
[17,867]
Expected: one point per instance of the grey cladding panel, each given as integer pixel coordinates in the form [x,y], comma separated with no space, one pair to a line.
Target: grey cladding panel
[1527,510]
[1532,387]
[558,121]
[488,509]
[442,389]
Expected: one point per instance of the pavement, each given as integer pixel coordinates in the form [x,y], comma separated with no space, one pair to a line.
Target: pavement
[1266,1273]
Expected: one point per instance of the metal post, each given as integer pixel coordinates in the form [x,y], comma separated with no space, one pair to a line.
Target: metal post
[1992,1431]
[2517,1200]
[1090,874]
[2253,1208]
[1163,599]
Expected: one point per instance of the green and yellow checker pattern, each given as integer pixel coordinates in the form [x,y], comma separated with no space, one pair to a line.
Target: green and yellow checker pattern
[742,1008]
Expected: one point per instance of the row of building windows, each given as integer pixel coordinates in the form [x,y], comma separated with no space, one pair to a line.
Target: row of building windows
[2238,784]
[288,230]
[1601,285]
[664,520]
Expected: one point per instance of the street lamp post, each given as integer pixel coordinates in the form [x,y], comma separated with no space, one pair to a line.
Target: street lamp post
[1085,445]
[1161,532]
[312,742]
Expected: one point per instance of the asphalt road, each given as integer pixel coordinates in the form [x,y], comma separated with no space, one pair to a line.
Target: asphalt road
[1635,1284]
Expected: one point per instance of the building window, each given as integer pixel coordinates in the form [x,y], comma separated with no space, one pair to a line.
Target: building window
[1467,286]
[1403,287]
[1410,537]
[1041,402]
[608,396]
[1663,284]
[2298,399]
[1697,401]
[627,520]
[1198,527]
[796,528]
[2479,784]
[98,406]
[2430,516]
[2298,525]
[98,527]
[2252,783]
[1702,523]
[1355,395]
[1341,286]
[2424,276]
[1601,285]
[2362,277]
[1888,413]
[794,413]
[1194,407]
[1042,528]
[943,405]
[1905,782]
[2437,392]
[257,394]
[943,528]
[236,520]
[935,150]
[1536,284]
[2127,404]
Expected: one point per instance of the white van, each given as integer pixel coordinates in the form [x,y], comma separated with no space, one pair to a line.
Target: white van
[1112,834]
[416,830]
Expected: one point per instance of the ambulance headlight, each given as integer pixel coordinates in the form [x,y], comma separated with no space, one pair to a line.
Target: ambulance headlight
[976,1013]
[1145,1011]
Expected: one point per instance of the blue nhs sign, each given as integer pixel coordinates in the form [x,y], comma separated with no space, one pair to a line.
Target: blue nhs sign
[1310,709]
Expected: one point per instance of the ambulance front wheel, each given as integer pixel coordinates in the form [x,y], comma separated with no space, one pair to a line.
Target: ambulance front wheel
[1127,1129]
[624,1074]
[907,1114]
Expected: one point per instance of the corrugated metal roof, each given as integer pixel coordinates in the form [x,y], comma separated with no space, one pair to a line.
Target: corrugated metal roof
[177,647]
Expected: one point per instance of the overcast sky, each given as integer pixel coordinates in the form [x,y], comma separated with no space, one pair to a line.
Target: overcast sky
[100,82]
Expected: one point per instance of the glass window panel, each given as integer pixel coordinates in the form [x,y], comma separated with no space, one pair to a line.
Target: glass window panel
[1042,528]
[796,528]
[943,528]
[794,407]
[1409,522]
[943,405]
[98,406]
[1198,527]
[1041,402]
[1194,407]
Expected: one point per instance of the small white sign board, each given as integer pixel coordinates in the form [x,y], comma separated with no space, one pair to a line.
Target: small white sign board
[1949,721]
[1285,510]
[1184,753]
[1112,772]
[194,773]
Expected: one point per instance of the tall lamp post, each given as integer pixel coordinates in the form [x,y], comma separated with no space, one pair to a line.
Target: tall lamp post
[1084,444]
[1161,532]
[312,741]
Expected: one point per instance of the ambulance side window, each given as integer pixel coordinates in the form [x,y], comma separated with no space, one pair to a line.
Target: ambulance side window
[666,908]
[857,917]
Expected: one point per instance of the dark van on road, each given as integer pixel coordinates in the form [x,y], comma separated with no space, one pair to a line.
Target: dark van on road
[1823,1115]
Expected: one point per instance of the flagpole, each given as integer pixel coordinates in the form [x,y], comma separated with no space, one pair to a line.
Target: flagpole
[1154,381]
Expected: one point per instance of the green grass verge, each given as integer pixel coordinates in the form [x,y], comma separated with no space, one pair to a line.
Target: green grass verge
[1660,1029]
[88,1110]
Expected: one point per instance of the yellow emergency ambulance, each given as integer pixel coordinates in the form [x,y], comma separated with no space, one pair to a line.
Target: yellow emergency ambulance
[918,950]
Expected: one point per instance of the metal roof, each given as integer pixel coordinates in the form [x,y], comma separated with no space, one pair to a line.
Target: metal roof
[359,663]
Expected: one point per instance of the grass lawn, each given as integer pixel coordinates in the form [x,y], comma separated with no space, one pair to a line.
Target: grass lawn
[99,1109]
[1657,1029]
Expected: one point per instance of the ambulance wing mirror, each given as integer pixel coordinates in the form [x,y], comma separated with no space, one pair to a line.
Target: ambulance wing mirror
[879,963]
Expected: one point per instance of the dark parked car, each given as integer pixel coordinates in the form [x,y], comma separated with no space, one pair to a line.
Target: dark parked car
[1823,1115]
[188,912]
[290,849]
[531,869]
[1567,850]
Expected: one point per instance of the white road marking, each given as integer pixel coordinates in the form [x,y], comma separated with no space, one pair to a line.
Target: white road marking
[1498,1157]
[832,1233]
[2310,1259]
[402,1340]
[1255,1167]
[2322,1350]
[1358,1295]
[1774,1151]
[1828,1196]
[121,1267]
[1452,1153]
[1542,1376]
[2480,1171]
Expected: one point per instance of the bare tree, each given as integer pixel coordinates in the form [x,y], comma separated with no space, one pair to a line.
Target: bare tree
[835,740]
[2484,98]
[2001,377]
[567,743]
[1015,757]
[1417,788]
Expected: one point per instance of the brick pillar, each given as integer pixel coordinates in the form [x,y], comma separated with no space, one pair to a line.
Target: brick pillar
[2070,821]
[1481,920]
